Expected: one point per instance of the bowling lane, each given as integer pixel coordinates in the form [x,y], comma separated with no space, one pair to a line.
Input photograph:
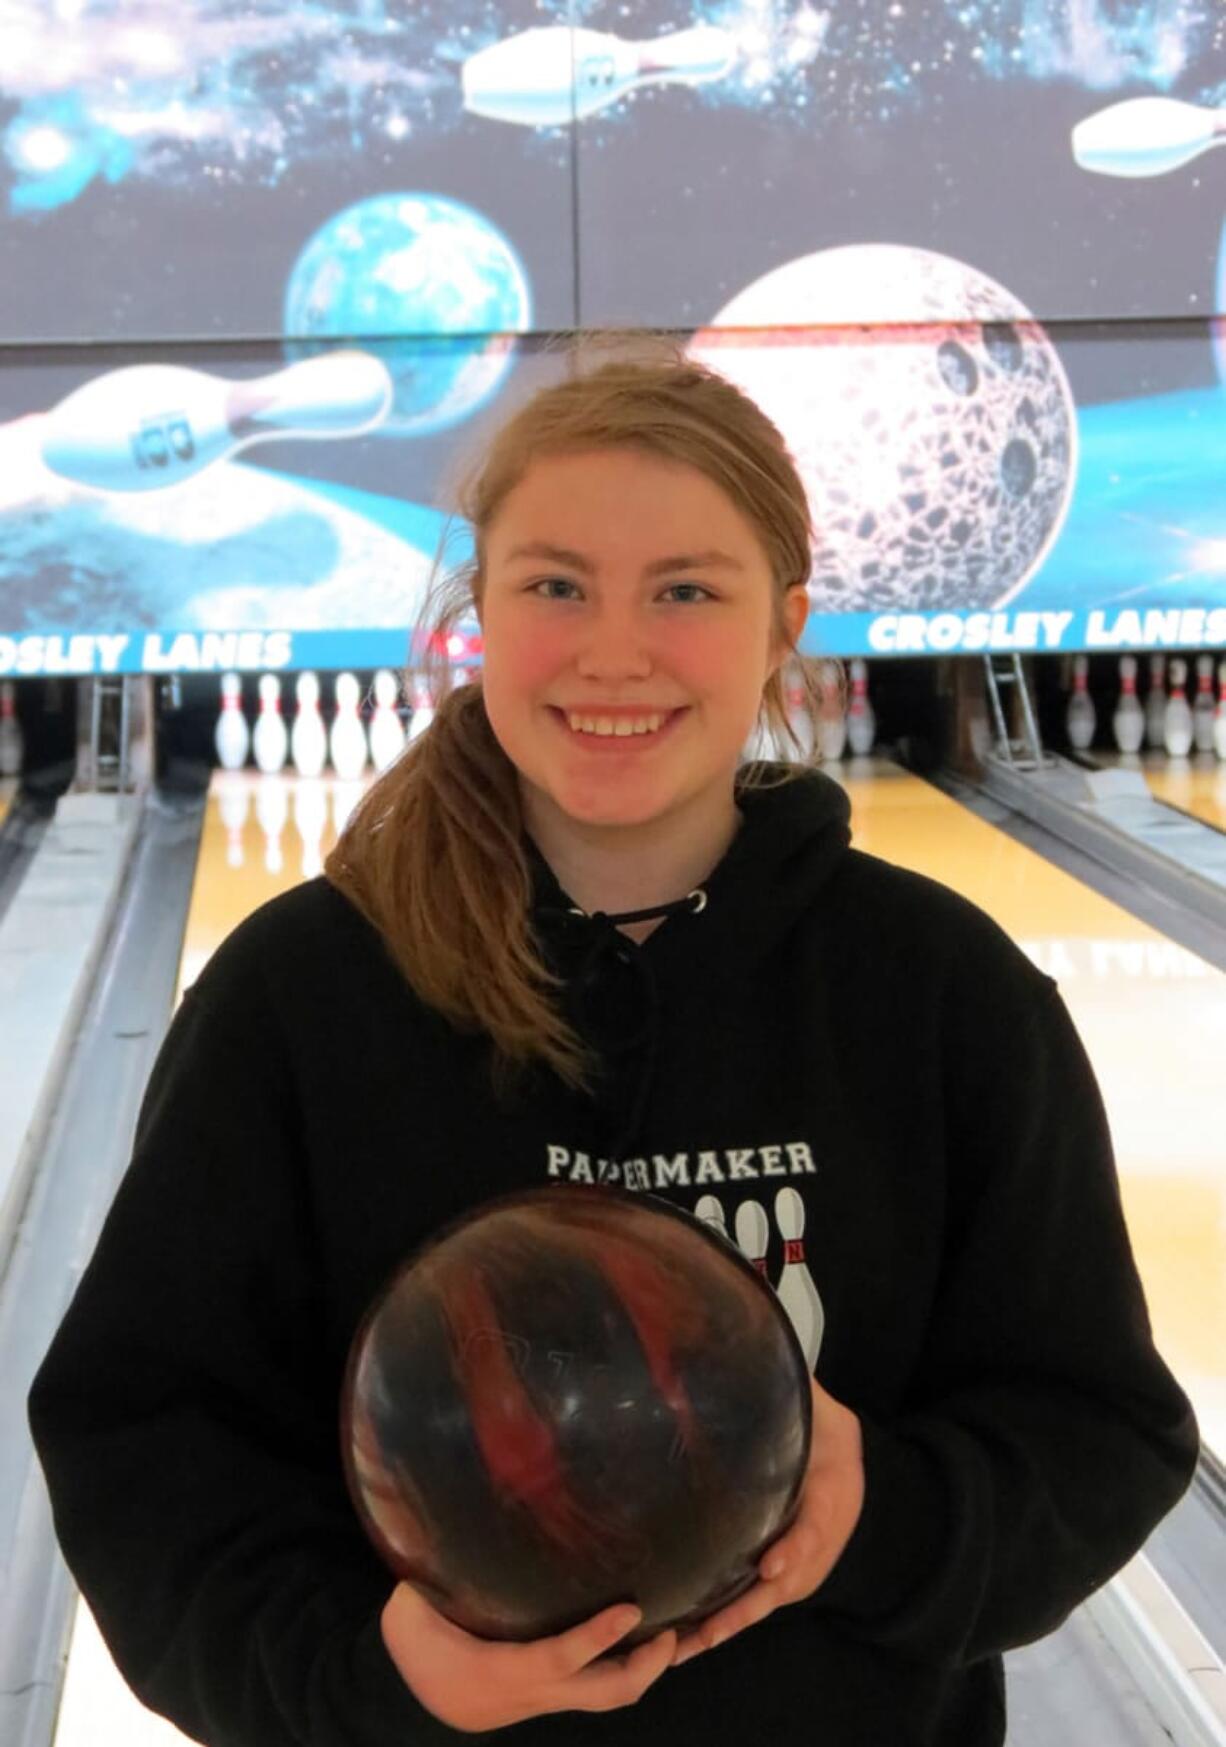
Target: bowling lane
[1153,1019]
[1196,785]
[261,835]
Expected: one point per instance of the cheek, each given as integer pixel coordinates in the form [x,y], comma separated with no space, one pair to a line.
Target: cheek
[519,662]
[706,658]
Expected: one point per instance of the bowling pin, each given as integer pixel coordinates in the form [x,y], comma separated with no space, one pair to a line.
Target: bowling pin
[796,703]
[272,810]
[347,737]
[761,745]
[796,1289]
[1155,701]
[386,728]
[1146,136]
[12,741]
[861,719]
[1080,719]
[753,1234]
[555,75]
[1128,722]
[310,821]
[709,1210]
[345,797]
[308,739]
[231,736]
[1219,715]
[1177,719]
[234,804]
[1203,708]
[831,722]
[149,426]
[270,742]
[422,709]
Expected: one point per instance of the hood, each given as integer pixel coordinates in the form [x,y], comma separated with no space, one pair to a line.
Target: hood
[792,839]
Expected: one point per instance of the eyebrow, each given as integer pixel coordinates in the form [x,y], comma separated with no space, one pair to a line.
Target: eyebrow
[576,561]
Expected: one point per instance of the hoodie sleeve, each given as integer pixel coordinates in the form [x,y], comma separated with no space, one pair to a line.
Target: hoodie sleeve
[188,1430]
[1044,1437]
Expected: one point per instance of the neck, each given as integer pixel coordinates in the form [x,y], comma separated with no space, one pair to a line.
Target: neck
[624,868]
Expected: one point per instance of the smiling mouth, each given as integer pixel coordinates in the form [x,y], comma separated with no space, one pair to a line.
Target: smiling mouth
[618,742]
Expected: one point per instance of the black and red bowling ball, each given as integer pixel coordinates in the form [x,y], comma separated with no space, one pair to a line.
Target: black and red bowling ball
[572,1397]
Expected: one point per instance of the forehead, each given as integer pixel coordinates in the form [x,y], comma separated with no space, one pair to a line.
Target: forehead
[623,496]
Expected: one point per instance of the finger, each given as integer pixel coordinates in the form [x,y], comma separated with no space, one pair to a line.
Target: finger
[748,1610]
[798,1548]
[617,1681]
[565,1655]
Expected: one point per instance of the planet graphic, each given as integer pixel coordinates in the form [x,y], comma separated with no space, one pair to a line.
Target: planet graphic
[434,280]
[929,416]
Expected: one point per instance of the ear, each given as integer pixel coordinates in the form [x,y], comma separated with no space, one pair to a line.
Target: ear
[796,610]
[795,613]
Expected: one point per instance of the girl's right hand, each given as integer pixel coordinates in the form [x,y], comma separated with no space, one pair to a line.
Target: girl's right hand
[474,1684]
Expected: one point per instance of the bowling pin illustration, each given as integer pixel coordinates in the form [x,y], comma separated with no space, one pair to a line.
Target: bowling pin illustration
[386,728]
[234,804]
[1080,719]
[753,1234]
[796,1288]
[270,742]
[231,736]
[709,1210]
[150,426]
[861,718]
[1128,722]
[1177,719]
[1146,136]
[347,738]
[831,721]
[272,810]
[1219,715]
[12,741]
[555,75]
[1203,708]
[1155,701]
[308,739]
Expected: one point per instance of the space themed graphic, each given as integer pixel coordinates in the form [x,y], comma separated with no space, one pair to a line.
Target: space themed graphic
[274,270]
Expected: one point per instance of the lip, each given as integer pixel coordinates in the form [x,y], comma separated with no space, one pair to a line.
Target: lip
[608,743]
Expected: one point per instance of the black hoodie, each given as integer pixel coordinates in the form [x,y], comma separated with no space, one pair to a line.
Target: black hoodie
[815,1024]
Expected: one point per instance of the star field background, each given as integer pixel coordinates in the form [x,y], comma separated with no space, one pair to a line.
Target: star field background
[162,165]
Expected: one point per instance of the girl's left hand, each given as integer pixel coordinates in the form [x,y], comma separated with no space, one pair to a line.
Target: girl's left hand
[830,1505]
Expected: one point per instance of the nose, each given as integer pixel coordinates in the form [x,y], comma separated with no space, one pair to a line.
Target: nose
[615,643]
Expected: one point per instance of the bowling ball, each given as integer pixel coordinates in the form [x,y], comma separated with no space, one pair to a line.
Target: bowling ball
[572,1397]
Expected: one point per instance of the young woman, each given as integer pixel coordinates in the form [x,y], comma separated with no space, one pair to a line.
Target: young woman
[571,936]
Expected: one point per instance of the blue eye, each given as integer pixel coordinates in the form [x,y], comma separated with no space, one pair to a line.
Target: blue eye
[545,581]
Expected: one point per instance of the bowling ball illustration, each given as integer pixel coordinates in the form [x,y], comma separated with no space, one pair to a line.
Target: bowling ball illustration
[572,1397]
[929,416]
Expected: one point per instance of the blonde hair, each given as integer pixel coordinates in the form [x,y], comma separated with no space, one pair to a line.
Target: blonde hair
[433,854]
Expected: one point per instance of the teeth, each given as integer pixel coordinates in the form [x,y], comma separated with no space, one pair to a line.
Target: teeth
[605,725]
